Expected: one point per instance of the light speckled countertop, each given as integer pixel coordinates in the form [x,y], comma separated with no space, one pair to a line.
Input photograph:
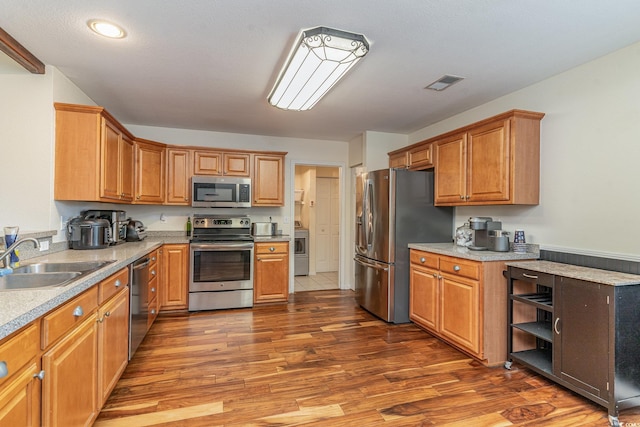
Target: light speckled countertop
[605,277]
[19,307]
[461,252]
[276,238]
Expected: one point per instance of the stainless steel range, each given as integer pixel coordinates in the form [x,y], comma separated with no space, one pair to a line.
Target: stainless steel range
[221,257]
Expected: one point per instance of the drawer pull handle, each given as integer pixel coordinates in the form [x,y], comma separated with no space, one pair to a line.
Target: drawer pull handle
[529,276]
[153,272]
[39,375]
[153,311]
[272,249]
[422,260]
[555,326]
[153,258]
[153,290]
[118,283]
[4,370]
[456,268]
[78,311]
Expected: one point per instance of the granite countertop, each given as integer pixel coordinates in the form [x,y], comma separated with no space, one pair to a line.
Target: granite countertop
[19,307]
[451,249]
[605,277]
[276,238]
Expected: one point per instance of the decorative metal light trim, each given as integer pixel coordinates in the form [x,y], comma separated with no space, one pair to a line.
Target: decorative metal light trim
[320,57]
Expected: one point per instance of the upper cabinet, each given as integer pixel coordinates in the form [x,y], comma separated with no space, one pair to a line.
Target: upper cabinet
[268,180]
[178,176]
[94,156]
[492,162]
[210,162]
[149,172]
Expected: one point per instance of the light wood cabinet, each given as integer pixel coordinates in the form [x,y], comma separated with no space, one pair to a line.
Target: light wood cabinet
[94,158]
[153,286]
[268,180]
[178,176]
[420,157]
[398,160]
[70,384]
[149,172]
[209,162]
[271,272]
[460,301]
[493,162]
[113,342]
[19,385]
[174,290]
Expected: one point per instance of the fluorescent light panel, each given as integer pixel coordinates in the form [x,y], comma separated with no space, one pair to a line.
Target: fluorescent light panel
[320,57]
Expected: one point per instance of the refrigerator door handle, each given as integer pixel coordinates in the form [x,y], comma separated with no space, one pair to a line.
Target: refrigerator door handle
[369,213]
[372,265]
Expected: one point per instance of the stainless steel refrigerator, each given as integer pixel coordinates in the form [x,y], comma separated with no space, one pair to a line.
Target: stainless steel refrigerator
[394,207]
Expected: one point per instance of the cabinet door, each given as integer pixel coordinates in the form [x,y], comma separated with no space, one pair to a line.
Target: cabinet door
[450,174]
[110,173]
[113,342]
[126,169]
[174,289]
[398,160]
[149,171]
[271,276]
[178,177]
[488,163]
[421,157]
[459,315]
[423,302]
[237,164]
[207,162]
[268,180]
[582,318]
[20,399]
[70,384]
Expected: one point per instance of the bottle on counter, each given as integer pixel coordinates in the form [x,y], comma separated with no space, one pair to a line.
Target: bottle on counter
[189,226]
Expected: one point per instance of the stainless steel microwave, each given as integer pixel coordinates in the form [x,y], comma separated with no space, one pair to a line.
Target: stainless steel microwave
[220,192]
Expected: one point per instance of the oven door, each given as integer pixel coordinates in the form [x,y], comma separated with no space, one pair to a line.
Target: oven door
[221,266]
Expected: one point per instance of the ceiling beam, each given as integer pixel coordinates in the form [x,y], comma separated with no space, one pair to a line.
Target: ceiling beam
[18,53]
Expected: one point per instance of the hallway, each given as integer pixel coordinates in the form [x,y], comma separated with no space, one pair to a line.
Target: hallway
[319,282]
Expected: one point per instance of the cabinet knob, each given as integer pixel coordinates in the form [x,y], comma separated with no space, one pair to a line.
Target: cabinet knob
[153,290]
[272,249]
[78,311]
[456,268]
[186,200]
[153,272]
[461,197]
[138,197]
[153,311]
[107,314]
[153,258]
[435,275]
[39,375]
[117,283]
[4,370]
[423,259]
[467,197]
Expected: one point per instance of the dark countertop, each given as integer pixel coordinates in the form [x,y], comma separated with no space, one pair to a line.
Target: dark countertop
[605,277]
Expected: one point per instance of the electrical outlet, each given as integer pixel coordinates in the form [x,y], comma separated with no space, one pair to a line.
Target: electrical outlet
[63,222]
[44,245]
[285,220]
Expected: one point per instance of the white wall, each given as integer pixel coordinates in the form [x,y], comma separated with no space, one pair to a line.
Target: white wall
[590,158]
[377,145]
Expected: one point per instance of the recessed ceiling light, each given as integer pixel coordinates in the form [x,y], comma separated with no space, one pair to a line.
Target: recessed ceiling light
[106,29]
[444,82]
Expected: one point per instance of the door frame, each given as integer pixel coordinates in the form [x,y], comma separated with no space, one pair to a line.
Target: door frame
[342,283]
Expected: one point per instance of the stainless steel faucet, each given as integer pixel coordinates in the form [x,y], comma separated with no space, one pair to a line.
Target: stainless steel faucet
[7,253]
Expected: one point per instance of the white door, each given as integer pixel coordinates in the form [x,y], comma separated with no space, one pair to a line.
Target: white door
[327,224]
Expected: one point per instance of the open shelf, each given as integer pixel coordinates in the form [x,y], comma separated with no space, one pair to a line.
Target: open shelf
[540,330]
[539,300]
[538,359]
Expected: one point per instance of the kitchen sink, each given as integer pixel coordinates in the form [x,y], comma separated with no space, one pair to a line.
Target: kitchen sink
[57,267]
[48,274]
[36,280]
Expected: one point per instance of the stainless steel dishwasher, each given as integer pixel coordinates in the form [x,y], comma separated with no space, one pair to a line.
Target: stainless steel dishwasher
[139,303]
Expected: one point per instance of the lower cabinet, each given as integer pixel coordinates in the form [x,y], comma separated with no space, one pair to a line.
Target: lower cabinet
[175,277]
[19,384]
[581,334]
[461,302]
[271,272]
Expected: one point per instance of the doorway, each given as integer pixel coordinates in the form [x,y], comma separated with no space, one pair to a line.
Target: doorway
[317,211]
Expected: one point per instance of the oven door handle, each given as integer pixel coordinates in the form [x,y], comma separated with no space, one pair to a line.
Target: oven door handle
[220,246]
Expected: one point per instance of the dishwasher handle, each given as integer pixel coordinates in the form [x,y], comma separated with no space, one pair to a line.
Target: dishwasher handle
[141,263]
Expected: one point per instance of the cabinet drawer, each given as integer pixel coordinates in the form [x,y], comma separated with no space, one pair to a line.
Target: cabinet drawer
[61,320]
[17,351]
[531,276]
[153,258]
[111,285]
[420,157]
[460,267]
[426,259]
[153,312]
[153,288]
[271,248]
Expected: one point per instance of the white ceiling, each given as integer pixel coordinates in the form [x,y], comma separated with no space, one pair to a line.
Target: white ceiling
[210,64]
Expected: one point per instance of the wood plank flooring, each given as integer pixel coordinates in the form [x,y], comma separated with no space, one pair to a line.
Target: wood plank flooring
[323,361]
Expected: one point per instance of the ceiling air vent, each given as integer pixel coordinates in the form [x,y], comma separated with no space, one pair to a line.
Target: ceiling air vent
[444,82]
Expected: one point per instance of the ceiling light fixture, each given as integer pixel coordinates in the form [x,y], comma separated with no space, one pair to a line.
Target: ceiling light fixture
[106,29]
[444,82]
[319,58]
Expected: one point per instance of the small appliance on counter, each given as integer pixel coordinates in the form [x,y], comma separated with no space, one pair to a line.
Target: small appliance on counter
[136,231]
[117,221]
[499,240]
[92,233]
[264,229]
[481,226]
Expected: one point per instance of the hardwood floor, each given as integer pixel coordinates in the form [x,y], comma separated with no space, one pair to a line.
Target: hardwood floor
[322,361]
